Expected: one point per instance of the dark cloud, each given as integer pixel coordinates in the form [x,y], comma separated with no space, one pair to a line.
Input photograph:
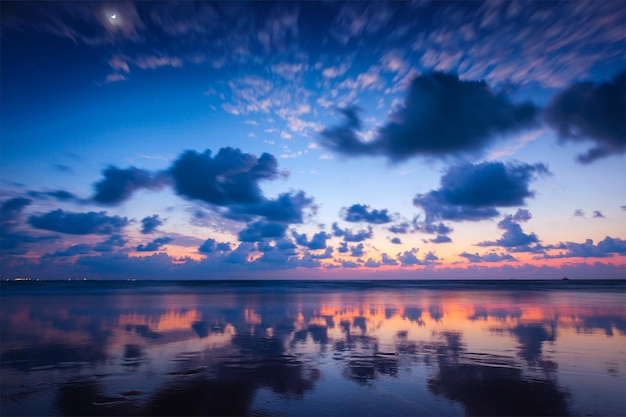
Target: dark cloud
[328,254]
[349,264]
[579,213]
[386,260]
[522,215]
[408,258]
[362,213]
[441,239]
[396,241]
[432,228]
[288,208]
[588,112]
[343,247]
[154,245]
[513,235]
[400,228]
[318,241]
[150,223]
[343,138]
[80,249]
[211,246]
[442,116]
[79,223]
[349,236]
[240,254]
[261,230]
[598,214]
[60,195]
[13,241]
[489,257]
[472,192]
[609,246]
[370,263]
[11,210]
[110,244]
[357,250]
[118,184]
[230,177]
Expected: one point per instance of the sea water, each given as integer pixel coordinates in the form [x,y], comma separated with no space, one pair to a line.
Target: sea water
[363,348]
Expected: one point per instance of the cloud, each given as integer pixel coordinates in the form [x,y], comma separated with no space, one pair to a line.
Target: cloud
[362,213]
[118,63]
[396,241]
[231,177]
[357,250]
[489,257]
[115,77]
[472,192]
[597,214]
[401,228]
[343,247]
[579,213]
[442,116]
[513,235]
[150,223]
[349,236]
[441,239]
[154,245]
[118,184]
[588,112]
[13,241]
[337,71]
[154,62]
[371,263]
[408,258]
[318,241]
[287,207]
[343,138]
[89,23]
[11,210]
[432,228]
[349,264]
[79,223]
[386,260]
[212,246]
[110,244]
[609,246]
[261,230]
[80,249]
[328,254]
[355,19]
[60,195]
[280,29]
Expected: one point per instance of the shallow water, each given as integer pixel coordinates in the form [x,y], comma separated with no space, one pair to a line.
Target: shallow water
[292,348]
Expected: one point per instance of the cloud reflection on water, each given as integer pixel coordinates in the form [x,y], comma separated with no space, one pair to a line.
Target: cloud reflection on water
[494,353]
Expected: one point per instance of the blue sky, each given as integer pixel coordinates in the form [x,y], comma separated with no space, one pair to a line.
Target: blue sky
[315,140]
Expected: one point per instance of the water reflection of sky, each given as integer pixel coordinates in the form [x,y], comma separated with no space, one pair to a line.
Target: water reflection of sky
[366,352]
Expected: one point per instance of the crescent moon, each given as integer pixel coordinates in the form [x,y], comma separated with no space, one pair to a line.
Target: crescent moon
[113,16]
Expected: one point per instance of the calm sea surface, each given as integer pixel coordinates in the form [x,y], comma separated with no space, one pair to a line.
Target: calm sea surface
[315,348]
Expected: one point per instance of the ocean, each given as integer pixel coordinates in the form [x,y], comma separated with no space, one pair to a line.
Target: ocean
[313,348]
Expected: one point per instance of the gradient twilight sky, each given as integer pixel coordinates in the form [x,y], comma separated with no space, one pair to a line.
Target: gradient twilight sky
[313,139]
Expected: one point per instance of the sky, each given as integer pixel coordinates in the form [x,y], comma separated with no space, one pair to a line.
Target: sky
[328,140]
